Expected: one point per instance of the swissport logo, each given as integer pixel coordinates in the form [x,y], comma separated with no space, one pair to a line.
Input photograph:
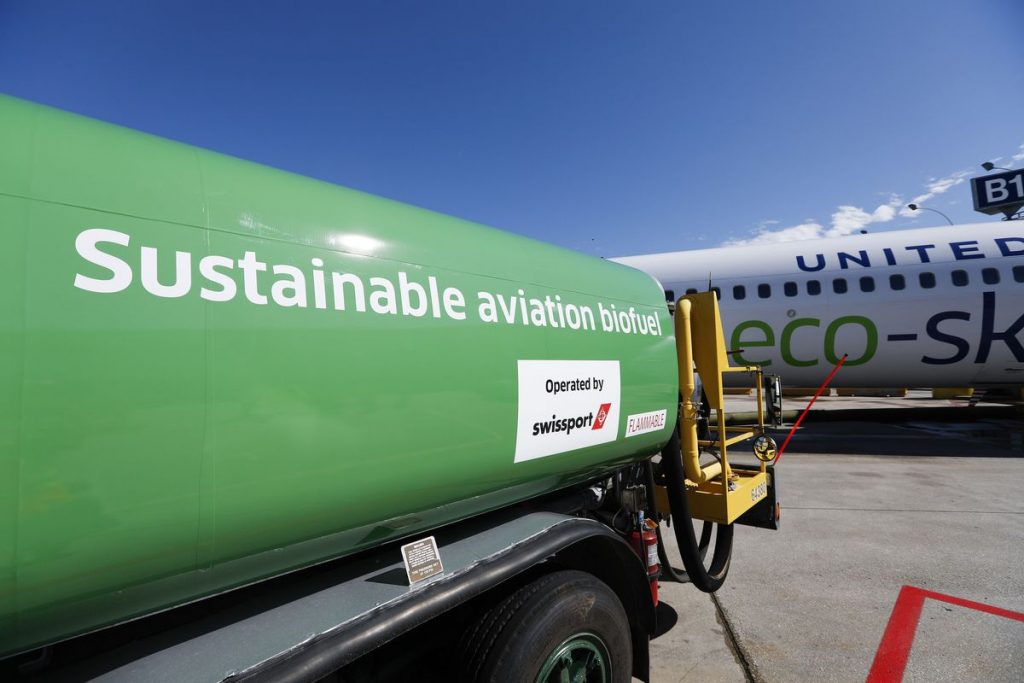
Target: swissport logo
[566,425]
[557,401]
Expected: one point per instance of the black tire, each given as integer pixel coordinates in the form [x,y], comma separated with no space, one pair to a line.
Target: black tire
[513,641]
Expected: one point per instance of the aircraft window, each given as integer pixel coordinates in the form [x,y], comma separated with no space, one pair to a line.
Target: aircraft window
[718,293]
[789,289]
[960,278]
[691,290]
[897,282]
[813,287]
[927,280]
[867,284]
[670,295]
[764,291]
[990,276]
[739,292]
[839,285]
[1018,273]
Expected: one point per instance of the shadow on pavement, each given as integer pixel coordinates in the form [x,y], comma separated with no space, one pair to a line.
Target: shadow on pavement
[913,436]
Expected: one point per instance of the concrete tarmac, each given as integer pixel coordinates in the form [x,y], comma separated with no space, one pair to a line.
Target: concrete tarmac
[871,507]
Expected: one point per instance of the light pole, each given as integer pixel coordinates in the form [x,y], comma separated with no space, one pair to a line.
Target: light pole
[988,166]
[915,207]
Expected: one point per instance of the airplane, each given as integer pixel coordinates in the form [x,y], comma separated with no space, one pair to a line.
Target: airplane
[930,307]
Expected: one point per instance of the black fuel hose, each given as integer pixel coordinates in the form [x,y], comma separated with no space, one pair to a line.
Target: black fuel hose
[669,572]
[707,579]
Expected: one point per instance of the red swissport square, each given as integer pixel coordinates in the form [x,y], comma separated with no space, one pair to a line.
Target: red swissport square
[602,415]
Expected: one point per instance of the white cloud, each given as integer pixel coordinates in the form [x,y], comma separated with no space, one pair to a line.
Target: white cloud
[936,186]
[804,231]
[845,221]
[849,219]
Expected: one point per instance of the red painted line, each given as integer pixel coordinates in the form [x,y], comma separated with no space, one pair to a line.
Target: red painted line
[894,650]
[804,414]
[970,604]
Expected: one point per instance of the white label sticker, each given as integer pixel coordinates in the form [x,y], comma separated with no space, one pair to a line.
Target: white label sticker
[422,560]
[652,555]
[642,423]
[565,405]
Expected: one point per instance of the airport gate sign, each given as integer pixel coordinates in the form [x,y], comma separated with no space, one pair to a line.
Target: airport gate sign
[999,192]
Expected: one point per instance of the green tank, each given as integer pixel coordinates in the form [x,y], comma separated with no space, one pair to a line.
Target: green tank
[213,372]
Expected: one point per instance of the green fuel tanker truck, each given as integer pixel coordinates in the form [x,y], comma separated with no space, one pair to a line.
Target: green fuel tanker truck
[255,426]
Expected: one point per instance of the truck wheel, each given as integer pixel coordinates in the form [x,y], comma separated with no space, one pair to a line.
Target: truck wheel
[565,626]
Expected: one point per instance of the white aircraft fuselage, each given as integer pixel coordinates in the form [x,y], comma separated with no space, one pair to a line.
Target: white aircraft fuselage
[934,307]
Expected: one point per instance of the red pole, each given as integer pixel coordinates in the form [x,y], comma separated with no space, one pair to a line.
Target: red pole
[804,414]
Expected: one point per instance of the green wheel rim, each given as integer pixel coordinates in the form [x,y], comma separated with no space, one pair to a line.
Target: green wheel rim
[580,658]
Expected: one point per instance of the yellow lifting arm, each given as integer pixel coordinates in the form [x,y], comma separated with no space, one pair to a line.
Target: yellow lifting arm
[688,387]
[716,491]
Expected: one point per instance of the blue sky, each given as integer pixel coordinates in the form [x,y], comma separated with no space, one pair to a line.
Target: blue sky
[609,127]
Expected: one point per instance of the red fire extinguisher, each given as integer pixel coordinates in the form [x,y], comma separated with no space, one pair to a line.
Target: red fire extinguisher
[645,545]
